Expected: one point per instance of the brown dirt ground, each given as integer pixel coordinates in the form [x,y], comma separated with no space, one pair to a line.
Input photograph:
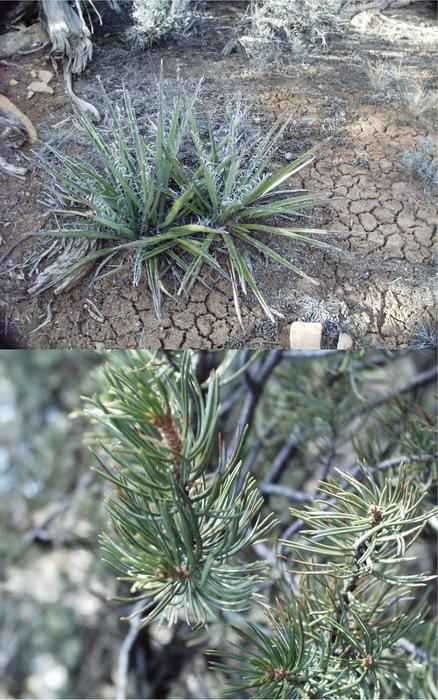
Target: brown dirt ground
[378,286]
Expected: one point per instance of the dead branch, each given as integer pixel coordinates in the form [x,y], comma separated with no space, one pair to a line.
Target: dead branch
[68,33]
[285,492]
[56,274]
[15,170]
[123,659]
[9,108]
[22,40]
[378,5]
[82,104]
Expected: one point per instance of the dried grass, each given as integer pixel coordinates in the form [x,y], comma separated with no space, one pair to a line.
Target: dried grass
[272,29]
[158,20]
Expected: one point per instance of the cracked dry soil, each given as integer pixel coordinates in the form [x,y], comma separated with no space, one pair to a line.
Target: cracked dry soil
[378,284]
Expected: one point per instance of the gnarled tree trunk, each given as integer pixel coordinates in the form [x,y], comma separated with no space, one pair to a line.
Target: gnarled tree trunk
[68,33]
[71,38]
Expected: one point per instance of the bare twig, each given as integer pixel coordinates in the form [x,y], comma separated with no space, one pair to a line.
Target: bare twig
[123,658]
[255,382]
[15,170]
[285,454]
[417,382]
[39,531]
[46,321]
[394,461]
[291,495]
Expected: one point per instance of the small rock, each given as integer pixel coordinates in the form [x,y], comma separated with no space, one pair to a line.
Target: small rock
[38,86]
[45,76]
[305,336]
[345,341]
[13,81]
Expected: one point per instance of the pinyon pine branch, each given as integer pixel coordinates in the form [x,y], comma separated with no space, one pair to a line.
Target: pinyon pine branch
[367,525]
[344,631]
[179,526]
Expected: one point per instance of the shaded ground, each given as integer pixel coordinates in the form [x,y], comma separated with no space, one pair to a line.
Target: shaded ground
[379,287]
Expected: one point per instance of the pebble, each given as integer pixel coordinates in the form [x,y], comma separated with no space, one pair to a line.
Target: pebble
[39,86]
[345,341]
[45,76]
[305,336]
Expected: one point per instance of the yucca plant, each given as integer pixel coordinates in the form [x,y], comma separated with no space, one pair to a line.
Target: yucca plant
[179,525]
[342,631]
[142,199]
